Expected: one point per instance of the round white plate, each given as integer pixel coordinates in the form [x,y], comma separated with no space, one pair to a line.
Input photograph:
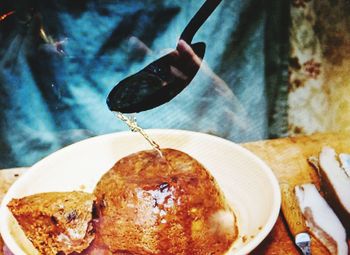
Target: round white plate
[247,182]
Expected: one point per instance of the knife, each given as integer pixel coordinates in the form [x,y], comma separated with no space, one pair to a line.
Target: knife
[295,219]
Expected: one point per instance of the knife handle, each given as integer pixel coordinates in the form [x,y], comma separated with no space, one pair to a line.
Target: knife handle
[291,210]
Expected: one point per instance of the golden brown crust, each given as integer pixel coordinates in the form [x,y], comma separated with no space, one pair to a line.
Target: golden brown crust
[149,205]
[56,222]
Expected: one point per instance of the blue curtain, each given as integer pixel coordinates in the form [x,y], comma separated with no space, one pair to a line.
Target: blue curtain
[60,59]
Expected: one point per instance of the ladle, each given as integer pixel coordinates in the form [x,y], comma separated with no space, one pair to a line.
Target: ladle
[164,78]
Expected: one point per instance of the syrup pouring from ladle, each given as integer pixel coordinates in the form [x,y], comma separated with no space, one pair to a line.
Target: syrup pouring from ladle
[163,79]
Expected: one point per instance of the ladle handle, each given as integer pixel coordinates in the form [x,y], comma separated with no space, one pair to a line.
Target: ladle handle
[198,19]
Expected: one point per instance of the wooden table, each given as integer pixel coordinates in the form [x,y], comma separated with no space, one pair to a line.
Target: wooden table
[288,159]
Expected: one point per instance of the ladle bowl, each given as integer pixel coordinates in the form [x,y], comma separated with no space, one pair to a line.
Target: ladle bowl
[166,77]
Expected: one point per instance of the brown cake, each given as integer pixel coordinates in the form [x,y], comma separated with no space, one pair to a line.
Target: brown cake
[148,204]
[56,222]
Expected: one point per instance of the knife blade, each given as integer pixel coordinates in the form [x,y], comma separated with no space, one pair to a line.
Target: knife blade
[295,219]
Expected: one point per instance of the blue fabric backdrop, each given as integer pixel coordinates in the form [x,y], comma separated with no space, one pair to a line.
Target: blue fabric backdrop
[59,60]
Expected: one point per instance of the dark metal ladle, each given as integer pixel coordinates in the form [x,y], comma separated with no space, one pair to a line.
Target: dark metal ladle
[164,78]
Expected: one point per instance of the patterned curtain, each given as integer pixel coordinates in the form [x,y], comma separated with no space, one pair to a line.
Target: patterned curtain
[319,77]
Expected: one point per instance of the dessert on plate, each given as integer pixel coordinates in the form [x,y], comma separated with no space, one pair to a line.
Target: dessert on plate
[147,203]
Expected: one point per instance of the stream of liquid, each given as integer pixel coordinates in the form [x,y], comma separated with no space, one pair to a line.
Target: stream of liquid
[134,127]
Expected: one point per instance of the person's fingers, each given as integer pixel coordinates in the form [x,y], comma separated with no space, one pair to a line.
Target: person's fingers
[174,53]
[186,52]
[167,51]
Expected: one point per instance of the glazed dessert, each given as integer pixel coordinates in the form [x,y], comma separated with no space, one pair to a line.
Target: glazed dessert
[149,203]
[170,204]
[56,222]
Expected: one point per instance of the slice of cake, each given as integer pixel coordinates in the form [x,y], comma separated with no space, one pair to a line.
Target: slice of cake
[56,222]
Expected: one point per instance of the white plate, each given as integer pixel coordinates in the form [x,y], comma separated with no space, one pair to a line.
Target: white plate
[248,183]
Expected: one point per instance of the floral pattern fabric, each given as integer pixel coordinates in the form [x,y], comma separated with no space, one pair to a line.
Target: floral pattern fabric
[319,81]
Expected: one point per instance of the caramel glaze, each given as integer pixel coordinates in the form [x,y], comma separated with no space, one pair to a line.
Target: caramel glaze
[148,204]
